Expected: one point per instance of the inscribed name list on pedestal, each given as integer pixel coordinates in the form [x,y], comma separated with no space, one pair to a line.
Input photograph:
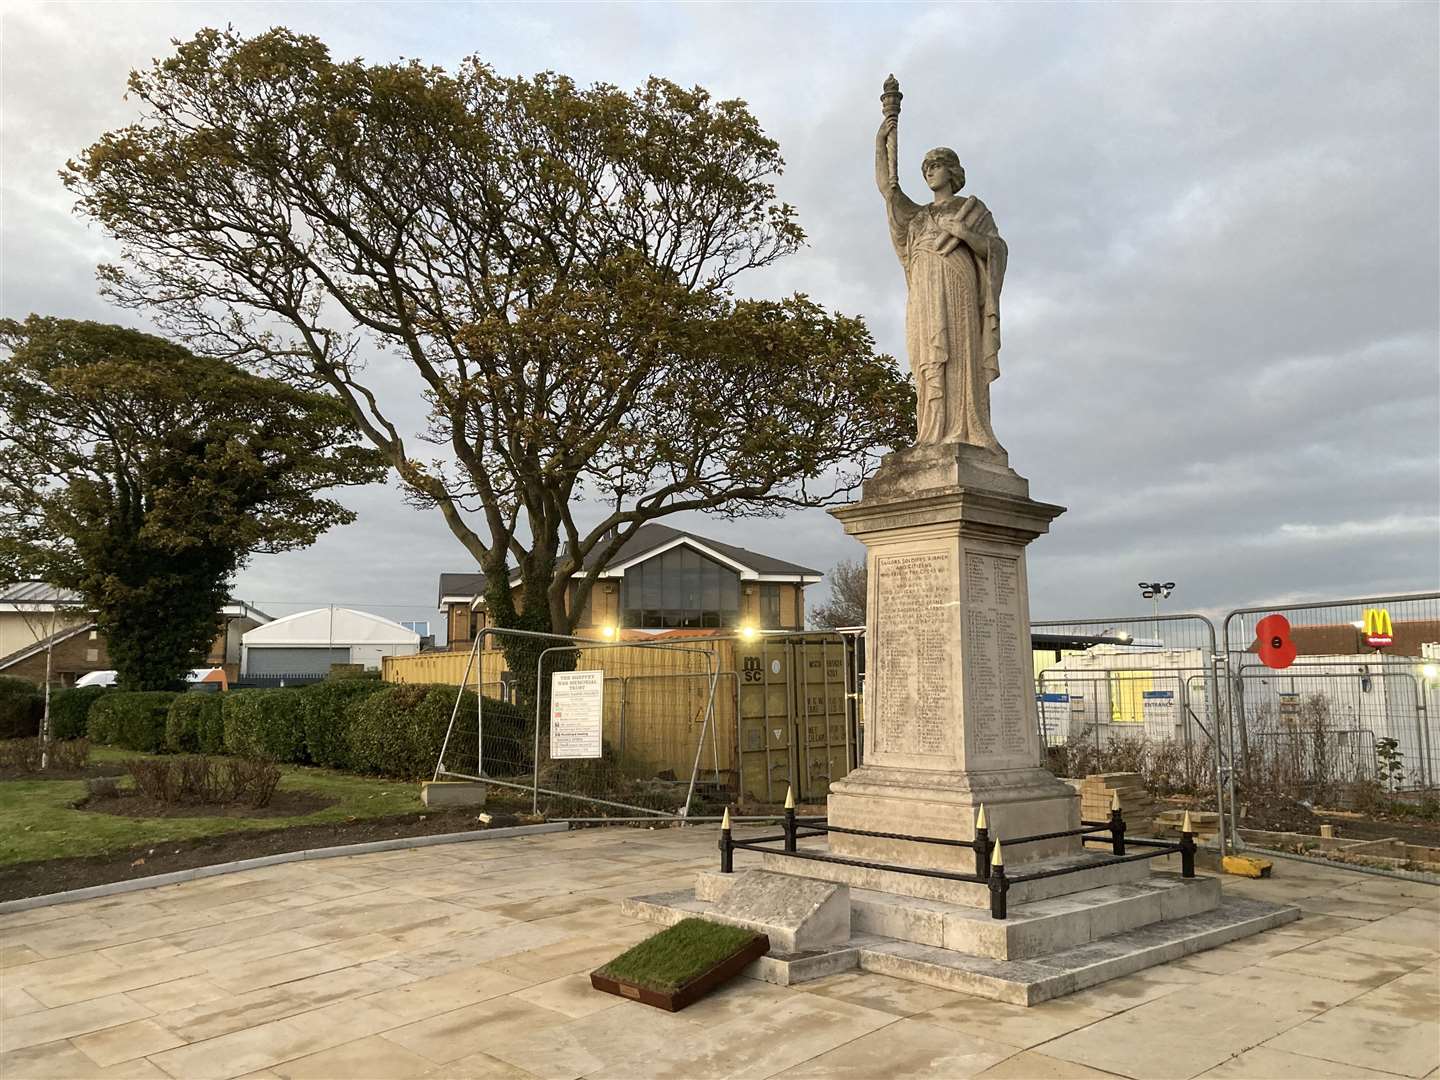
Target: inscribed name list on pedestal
[912,664]
[995,667]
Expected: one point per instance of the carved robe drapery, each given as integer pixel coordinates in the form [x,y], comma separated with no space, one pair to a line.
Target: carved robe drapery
[952,316]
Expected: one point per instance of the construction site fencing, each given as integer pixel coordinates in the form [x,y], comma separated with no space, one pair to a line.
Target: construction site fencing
[1339,698]
[1136,694]
[655,707]
[689,724]
[654,735]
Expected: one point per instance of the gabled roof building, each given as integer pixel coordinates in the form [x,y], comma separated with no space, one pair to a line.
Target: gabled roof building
[662,580]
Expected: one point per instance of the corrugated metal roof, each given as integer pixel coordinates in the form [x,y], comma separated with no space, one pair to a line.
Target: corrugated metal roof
[37,592]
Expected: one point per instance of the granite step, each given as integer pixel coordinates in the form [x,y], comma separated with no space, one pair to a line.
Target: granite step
[1029,982]
[1019,981]
[1090,873]
[1035,928]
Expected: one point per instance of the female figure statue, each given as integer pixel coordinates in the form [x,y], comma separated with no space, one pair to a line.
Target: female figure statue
[954,262]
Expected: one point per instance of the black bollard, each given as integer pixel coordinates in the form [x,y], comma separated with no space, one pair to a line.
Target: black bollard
[790,821]
[998,885]
[1187,847]
[727,846]
[1117,827]
[981,846]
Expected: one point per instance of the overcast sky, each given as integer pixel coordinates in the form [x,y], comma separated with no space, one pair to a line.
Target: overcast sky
[1221,339]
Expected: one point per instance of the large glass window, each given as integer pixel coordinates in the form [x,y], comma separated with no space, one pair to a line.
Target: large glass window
[770,607]
[681,588]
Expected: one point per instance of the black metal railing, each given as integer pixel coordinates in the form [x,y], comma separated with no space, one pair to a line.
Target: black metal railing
[989,861]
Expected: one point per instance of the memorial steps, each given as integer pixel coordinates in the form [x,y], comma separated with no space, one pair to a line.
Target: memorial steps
[1062,933]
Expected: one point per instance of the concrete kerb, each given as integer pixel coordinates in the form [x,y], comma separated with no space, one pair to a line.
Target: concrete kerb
[1417,876]
[114,888]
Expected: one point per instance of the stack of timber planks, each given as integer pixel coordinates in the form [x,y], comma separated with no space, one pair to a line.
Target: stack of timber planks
[1098,789]
[1206,824]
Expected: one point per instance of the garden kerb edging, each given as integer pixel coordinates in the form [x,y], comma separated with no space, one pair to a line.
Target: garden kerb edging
[113,888]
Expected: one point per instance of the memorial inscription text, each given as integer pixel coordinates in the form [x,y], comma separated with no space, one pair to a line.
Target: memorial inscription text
[996,669]
[912,701]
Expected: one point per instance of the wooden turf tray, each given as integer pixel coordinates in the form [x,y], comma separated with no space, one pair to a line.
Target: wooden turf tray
[691,992]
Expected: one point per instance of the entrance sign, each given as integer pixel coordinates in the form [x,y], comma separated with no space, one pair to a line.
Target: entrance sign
[1379,632]
[1158,708]
[1054,714]
[577,707]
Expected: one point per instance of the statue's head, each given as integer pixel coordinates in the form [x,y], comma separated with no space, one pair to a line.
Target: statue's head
[941,167]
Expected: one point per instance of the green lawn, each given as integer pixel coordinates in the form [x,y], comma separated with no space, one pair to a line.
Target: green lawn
[37,822]
[678,955]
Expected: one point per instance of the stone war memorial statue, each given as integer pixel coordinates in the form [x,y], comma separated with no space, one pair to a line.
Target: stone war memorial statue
[949,855]
[954,262]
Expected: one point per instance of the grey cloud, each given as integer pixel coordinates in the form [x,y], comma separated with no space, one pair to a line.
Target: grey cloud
[1220,317]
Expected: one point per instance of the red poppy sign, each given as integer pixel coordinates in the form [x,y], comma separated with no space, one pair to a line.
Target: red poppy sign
[1277,650]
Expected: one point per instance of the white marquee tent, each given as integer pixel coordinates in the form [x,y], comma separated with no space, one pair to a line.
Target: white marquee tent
[308,642]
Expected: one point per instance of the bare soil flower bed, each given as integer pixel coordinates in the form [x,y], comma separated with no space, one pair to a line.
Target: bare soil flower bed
[1350,827]
[60,875]
[134,804]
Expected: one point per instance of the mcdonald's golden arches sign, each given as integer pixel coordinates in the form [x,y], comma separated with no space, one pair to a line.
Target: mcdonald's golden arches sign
[1378,630]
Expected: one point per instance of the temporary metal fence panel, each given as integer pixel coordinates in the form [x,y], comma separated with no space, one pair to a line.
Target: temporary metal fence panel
[653,739]
[1148,702]
[1317,706]
[1153,721]
[650,737]
[1386,691]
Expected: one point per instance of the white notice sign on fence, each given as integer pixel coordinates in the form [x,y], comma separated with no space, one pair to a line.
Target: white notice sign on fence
[577,705]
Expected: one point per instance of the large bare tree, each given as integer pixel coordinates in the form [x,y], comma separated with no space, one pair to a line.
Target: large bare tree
[556,264]
[846,606]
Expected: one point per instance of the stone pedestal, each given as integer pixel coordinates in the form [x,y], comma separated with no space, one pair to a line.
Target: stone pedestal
[950,719]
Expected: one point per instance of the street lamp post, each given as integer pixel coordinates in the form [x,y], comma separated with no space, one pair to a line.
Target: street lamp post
[1156,591]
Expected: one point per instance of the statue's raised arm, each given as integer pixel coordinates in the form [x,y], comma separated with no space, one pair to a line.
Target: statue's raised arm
[887,176]
[954,260]
[899,209]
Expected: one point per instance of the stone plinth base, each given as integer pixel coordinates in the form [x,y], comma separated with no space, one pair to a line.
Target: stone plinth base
[1063,933]
[1018,802]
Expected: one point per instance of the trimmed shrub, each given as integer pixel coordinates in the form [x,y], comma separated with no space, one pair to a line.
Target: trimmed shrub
[134,720]
[70,711]
[206,780]
[195,725]
[264,723]
[22,704]
[324,715]
[398,731]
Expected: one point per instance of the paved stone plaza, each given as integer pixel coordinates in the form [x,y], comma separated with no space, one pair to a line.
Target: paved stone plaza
[471,960]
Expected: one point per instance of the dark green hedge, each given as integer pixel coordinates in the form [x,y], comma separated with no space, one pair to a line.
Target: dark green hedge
[70,711]
[22,705]
[398,731]
[324,716]
[134,720]
[264,723]
[195,725]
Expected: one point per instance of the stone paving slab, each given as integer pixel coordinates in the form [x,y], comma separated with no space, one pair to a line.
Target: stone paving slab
[470,960]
